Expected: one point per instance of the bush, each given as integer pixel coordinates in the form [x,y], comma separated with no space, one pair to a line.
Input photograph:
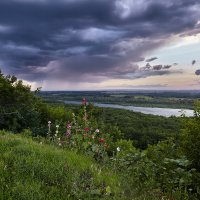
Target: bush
[190,138]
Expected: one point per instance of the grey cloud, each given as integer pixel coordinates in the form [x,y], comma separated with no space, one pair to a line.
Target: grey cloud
[80,40]
[193,62]
[141,86]
[151,59]
[197,72]
[167,66]
[157,67]
[146,74]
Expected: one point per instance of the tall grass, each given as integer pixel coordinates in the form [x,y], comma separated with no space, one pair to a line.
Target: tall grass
[29,170]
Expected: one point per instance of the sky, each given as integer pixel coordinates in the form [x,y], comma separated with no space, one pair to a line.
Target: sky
[101,44]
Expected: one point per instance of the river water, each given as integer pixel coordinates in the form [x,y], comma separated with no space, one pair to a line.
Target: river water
[166,112]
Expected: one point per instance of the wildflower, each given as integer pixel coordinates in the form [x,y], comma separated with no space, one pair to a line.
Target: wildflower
[97,130]
[57,126]
[56,135]
[58,139]
[40,142]
[68,133]
[56,131]
[86,129]
[49,125]
[68,125]
[84,102]
[101,140]
[93,136]
[60,144]
[118,149]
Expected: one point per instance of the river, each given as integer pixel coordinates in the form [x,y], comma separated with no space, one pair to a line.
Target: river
[166,112]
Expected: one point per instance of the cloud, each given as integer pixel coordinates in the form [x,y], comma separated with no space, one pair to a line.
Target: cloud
[83,40]
[151,59]
[128,86]
[193,62]
[197,72]
[167,66]
[157,67]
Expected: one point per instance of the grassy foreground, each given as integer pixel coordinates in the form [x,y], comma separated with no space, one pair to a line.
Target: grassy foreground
[29,170]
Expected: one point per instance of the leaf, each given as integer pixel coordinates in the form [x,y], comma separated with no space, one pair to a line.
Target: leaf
[108,190]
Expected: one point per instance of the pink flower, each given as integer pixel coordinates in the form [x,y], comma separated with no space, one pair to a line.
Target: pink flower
[84,102]
[86,129]
[68,133]
[97,131]
[101,140]
[69,125]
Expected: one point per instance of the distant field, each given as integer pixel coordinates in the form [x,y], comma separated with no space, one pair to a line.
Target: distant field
[167,99]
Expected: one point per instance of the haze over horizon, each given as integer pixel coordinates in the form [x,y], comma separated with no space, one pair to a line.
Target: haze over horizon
[101,44]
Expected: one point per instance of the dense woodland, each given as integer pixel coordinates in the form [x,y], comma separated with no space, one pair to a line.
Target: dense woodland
[54,151]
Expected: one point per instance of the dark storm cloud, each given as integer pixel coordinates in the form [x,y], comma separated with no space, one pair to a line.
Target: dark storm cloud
[81,39]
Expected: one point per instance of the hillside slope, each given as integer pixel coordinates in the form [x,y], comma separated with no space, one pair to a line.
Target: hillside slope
[29,170]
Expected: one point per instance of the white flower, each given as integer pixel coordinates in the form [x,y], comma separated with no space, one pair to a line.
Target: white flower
[59,139]
[118,149]
[57,126]
[97,131]
[49,122]
[40,142]
[56,135]
[57,132]
[60,144]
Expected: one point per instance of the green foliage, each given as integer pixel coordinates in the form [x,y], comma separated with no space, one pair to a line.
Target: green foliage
[82,135]
[22,109]
[140,128]
[29,170]
[124,147]
[190,140]
[18,105]
[161,169]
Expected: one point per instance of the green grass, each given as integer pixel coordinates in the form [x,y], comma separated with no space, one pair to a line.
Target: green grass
[29,170]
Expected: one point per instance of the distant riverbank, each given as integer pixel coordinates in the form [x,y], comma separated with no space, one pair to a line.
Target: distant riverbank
[166,112]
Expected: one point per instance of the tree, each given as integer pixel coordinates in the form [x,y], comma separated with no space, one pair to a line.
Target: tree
[19,107]
[190,140]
